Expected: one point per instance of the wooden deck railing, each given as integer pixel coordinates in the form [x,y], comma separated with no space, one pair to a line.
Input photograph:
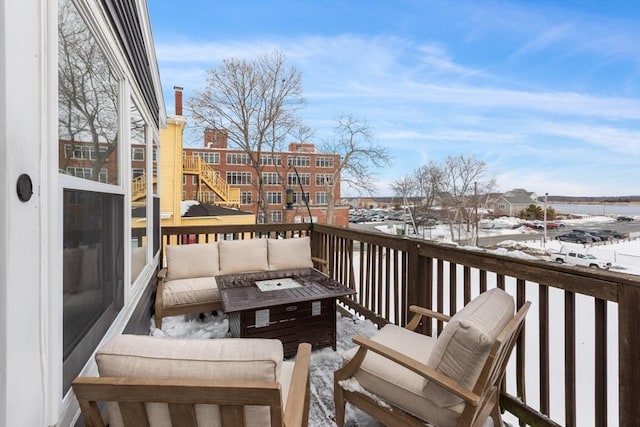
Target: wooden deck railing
[583,331]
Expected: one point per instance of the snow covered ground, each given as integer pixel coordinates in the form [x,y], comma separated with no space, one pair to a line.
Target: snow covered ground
[623,255]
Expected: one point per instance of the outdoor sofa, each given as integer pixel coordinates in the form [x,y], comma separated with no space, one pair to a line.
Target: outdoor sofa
[162,382]
[188,283]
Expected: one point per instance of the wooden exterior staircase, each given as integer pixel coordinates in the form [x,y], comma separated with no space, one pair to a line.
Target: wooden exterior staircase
[138,187]
[194,165]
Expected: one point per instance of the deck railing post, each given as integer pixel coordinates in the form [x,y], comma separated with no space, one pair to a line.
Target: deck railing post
[413,279]
[629,349]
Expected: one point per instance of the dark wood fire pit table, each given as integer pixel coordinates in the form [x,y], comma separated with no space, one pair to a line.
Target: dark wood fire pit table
[293,306]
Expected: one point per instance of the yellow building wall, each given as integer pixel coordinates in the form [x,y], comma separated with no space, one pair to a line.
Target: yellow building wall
[171,170]
[171,140]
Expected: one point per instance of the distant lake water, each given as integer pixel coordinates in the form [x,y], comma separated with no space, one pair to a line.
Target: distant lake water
[597,209]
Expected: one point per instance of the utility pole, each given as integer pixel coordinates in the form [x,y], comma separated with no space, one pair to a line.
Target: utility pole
[544,239]
[475,201]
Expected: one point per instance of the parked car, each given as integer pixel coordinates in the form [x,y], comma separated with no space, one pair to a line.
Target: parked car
[610,234]
[575,238]
[624,218]
[534,225]
[588,233]
[539,225]
[554,225]
[586,260]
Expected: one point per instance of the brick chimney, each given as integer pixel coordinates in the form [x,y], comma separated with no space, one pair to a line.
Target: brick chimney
[178,101]
[215,138]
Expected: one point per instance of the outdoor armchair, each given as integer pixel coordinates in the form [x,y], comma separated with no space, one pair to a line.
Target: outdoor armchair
[404,378]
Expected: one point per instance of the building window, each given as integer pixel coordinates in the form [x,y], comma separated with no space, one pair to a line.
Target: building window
[274,197]
[270,160]
[305,179]
[137,153]
[139,239]
[299,161]
[93,231]
[324,162]
[276,217]
[238,159]
[209,158]
[321,198]
[239,178]
[87,173]
[245,197]
[194,179]
[79,152]
[79,172]
[298,200]
[324,179]
[271,178]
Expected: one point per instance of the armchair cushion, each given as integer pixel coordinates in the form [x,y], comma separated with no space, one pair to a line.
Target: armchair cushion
[464,344]
[214,359]
[396,384]
[291,253]
[190,291]
[243,256]
[187,261]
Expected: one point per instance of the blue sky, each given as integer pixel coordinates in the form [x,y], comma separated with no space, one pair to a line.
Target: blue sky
[546,93]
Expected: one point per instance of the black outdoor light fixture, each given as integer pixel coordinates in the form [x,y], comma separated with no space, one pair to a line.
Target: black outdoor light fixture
[289,199]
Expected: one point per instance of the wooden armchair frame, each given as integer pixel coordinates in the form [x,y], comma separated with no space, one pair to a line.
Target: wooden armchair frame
[482,401]
[182,395]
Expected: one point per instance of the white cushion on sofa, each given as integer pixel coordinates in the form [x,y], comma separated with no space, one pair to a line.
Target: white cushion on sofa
[190,291]
[215,359]
[289,253]
[464,344]
[243,256]
[195,260]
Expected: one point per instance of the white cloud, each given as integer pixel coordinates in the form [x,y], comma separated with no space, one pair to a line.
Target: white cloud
[546,38]
[423,103]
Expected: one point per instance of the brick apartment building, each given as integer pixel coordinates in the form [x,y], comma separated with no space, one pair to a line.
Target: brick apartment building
[314,171]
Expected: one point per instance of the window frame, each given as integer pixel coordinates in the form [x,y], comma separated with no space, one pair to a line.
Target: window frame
[271,178]
[322,198]
[100,29]
[239,178]
[274,197]
[325,162]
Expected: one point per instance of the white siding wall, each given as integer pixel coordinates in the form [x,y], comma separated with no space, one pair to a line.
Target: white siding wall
[24,114]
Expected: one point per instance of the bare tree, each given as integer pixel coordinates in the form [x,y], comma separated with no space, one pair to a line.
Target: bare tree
[403,187]
[463,177]
[353,141]
[88,94]
[256,102]
[428,181]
